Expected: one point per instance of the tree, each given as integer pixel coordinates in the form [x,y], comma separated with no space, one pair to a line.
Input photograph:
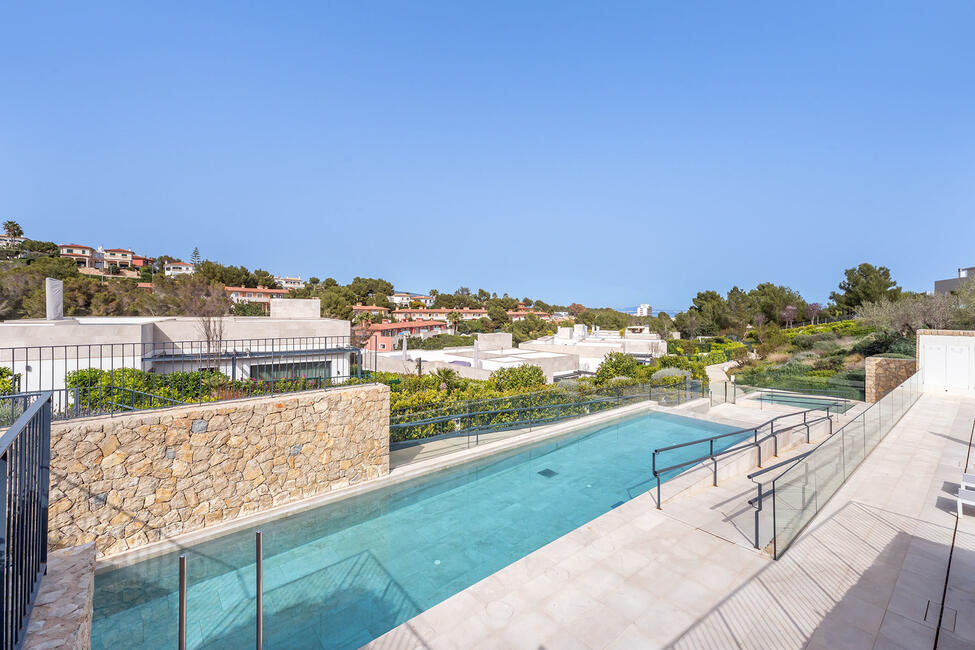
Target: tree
[195,256]
[813,310]
[12,229]
[113,269]
[713,310]
[864,284]
[740,310]
[499,318]
[265,279]
[789,313]
[575,309]
[771,299]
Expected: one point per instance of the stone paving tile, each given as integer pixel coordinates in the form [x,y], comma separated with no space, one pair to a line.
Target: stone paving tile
[859,576]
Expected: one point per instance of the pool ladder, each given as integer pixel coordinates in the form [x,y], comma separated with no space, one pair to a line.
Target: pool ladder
[259,568]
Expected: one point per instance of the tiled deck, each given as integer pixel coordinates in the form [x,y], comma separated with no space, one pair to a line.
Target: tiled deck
[868,572]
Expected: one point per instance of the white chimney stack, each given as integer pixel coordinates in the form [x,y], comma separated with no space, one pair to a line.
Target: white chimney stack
[54,294]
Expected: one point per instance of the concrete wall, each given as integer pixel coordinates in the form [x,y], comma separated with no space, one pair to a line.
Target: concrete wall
[884,375]
[124,482]
[296,307]
[496,341]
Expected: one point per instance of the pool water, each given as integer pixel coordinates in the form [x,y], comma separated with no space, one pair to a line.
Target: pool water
[805,402]
[345,573]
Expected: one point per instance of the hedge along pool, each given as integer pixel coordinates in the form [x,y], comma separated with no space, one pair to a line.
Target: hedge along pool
[343,574]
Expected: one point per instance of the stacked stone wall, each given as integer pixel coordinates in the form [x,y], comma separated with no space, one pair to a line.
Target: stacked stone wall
[123,482]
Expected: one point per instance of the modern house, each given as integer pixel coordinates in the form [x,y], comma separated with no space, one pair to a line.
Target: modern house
[43,354]
[178,268]
[288,282]
[258,295]
[949,285]
[644,310]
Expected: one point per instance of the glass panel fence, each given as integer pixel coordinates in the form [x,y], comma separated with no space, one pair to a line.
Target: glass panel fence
[800,491]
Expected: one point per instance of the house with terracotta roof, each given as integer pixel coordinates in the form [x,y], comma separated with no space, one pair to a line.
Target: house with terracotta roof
[178,268]
[120,257]
[258,295]
[83,256]
[522,314]
[382,336]
[441,313]
[375,310]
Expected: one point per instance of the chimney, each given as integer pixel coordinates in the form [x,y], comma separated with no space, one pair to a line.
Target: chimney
[54,294]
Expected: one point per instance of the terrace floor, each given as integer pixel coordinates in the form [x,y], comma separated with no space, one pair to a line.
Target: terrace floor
[870,571]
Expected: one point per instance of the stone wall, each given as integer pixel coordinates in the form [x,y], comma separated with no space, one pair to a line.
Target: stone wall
[884,375]
[123,482]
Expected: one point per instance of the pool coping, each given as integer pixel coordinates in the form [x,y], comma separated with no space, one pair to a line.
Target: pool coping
[402,474]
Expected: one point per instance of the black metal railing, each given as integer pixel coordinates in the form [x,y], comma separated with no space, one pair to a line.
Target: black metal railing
[109,378]
[25,454]
[757,434]
[472,418]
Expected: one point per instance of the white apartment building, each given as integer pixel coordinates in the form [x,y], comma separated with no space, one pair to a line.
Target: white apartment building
[644,310]
[287,282]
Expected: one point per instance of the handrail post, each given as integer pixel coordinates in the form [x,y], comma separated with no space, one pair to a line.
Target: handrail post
[758,511]
[182,602]
[775,441]
[260,590]
[658,493]
[715,461]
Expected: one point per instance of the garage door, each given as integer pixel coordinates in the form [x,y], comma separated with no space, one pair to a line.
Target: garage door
[948,363]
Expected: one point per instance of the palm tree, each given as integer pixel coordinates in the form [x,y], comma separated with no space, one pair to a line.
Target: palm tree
[12,229]
[447,378]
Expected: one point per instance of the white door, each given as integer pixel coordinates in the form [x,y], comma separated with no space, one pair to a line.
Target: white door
[934,365]
[958,367]
[948,363]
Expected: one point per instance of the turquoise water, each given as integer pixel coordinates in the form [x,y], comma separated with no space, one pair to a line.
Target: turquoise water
[345,573]
[804,402]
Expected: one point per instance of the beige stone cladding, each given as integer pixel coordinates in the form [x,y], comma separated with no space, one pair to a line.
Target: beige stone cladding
[884,375]
[123,482]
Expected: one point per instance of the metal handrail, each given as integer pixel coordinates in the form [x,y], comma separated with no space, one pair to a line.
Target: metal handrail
[756,443]
[25,457]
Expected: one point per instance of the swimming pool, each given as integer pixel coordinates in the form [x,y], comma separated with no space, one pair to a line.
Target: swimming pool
[343,574]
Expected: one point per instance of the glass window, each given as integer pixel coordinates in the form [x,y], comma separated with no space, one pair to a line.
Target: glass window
[296,370]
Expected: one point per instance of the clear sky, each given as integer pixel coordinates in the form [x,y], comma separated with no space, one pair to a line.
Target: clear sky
[606,153]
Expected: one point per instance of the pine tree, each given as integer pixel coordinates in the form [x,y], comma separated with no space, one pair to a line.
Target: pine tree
[195,257]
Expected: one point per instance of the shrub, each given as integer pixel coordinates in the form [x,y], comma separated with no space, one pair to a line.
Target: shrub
[519,377]
[871,344]
[906,347]
[803,342]
[664,373]
[8,381]
[828,363]
[616,364]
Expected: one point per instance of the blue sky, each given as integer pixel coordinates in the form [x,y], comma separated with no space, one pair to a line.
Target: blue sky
[606,153]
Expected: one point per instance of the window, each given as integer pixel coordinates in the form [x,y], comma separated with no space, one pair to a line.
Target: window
[295,370]
[382,346]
